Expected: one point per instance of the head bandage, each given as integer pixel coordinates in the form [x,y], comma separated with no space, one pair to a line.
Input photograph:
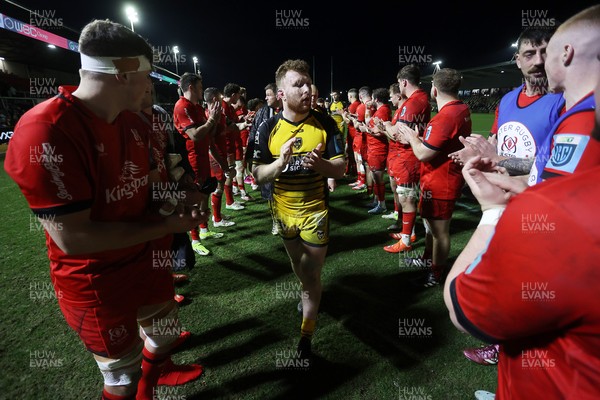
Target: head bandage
[115,65]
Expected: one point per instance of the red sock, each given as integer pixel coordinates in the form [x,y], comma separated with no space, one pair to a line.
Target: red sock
[408,220]
[437,270]
[174,375]
[380,192]
[110,396]
[151,367]
[228,195]
[204,225]
[234,183]
[215,202]
[195,234]
[369,190]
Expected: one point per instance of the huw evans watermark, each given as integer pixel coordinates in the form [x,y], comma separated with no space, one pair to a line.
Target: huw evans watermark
[291,19]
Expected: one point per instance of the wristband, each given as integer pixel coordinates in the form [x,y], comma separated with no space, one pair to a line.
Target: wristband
[491,216]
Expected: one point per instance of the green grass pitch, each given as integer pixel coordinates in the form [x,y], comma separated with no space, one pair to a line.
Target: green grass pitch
[241,310]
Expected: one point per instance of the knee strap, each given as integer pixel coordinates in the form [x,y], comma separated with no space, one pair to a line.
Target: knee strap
[164,330]
[123,371]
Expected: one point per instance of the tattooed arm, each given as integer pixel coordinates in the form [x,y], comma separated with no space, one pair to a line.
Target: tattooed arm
[517,166]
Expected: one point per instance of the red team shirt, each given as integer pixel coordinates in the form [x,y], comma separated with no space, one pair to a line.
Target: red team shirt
[361,111]
[403,165]
[441,176]
[65,159]
[243,133]
[378,145]
[416,110]
[188,115]
[221,145]
[360,116]
[538,302]
[582,123]
[234,140]
[352,110]
[394,147]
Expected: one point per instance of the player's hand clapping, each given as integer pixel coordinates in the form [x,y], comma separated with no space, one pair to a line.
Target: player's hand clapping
[285,154]
[313,159]
[488,194]
[215,111]
[406,133]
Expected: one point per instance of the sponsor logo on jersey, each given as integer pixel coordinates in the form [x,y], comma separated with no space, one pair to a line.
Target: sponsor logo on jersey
[428,133]
[403,112]
[562,154]
[298,142]
[515,140]
[130,185]
[509,144]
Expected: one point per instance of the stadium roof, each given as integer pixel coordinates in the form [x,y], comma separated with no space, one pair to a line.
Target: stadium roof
[500,75]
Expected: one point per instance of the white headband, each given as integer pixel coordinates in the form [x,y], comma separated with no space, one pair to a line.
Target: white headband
[115,65]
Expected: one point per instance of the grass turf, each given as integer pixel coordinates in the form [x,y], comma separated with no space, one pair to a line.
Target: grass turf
[241,308]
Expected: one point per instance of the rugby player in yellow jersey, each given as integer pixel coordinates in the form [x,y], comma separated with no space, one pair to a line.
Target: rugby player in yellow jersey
[295,151]
[336,109]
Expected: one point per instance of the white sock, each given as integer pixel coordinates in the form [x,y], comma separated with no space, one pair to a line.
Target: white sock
[203,230]
[195,241]
[406,239]
[243,192]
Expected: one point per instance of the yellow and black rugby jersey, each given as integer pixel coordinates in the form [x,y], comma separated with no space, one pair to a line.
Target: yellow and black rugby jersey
[298,188]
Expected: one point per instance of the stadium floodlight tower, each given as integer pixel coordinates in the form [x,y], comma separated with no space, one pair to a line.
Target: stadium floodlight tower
[195,59]
[436,67]
[132,15]
[175,52]
[515,45]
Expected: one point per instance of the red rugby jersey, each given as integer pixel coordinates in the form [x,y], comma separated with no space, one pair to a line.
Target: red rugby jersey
[352,110]
[188,115]
[65,159]
[416,111]
[441,176]
[379,144]
[539,303]
[395,147]
[219,137]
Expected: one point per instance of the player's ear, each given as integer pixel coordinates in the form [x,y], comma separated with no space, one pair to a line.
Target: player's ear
[122,78]
[568,54]
[280,94]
